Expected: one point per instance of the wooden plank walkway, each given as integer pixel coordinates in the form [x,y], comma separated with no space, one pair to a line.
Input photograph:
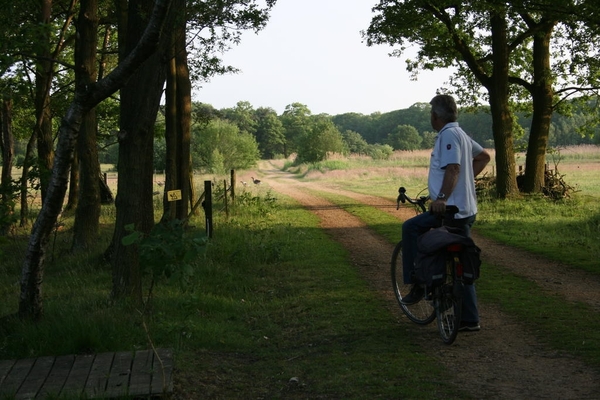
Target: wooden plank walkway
[142,374]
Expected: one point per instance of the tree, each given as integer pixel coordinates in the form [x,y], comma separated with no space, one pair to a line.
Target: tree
[428,139]
[86,98]
[140,98]
[296,122]
[212,25]
[243,115]
[269,133]
[365,125]
[457,35]
[87,214]
[178,172]
[404,137]
[548,48]
[355,142]
[220,146]
[563,63]
[321,139]
[7,147]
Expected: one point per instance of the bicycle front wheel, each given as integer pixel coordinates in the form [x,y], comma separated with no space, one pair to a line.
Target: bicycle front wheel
[447,302]
[422,312]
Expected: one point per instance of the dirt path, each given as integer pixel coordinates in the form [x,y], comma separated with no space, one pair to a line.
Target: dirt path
[502,360]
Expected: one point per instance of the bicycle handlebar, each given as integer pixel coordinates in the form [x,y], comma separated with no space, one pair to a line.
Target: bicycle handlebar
[420,202]
[403,198]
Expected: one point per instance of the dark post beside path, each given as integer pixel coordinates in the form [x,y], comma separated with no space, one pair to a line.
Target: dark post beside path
[208,208]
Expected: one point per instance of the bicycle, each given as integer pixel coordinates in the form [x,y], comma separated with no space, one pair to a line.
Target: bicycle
[443,300]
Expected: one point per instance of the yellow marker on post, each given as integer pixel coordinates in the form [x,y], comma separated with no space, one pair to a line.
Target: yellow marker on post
[174,195]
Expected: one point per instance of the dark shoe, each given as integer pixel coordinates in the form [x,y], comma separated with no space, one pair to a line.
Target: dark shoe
[416,294]
[469,326]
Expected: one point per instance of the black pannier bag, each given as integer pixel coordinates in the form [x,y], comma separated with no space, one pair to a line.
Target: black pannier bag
[430,263]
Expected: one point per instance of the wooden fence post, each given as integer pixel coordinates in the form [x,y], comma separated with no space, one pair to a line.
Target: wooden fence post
[225,197]
[233,180]
[208,208]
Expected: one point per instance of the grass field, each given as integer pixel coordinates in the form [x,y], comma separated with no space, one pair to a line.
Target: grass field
[274,298]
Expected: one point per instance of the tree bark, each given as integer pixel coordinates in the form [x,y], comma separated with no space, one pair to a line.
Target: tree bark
[171,140]
[542,94]
[502,128]
[86,98]
[140,99]
[7,144]
[184,117]
[43,81]
[178,119]
[73,196]
[27,162]
[87,214]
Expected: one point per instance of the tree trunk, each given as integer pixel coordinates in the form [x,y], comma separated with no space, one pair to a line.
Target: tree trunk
[43,82]
[73,196]
[497,85]
[7,144]
[178,119]
[86,98]
[171,139]
[27,162]
[87,215]
[140,99]
[184,117]
[543,95]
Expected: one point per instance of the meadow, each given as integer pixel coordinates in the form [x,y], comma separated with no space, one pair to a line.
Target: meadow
[273,297]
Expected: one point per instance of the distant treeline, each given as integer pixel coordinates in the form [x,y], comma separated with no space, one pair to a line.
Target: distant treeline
[376,127]
[239,136]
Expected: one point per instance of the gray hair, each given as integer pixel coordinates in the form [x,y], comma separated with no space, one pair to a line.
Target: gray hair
[444,107]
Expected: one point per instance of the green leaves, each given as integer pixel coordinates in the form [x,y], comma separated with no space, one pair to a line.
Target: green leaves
[170,251]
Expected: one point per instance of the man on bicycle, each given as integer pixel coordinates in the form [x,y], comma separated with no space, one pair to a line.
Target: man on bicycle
[455,162]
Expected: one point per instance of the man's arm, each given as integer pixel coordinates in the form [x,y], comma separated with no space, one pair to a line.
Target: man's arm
[480,161]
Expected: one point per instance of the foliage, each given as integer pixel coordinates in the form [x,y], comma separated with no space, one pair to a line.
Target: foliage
[321,139]
[355,142]
[404,137]
[380,151]
[213,27]
[296,123]
[9,193]
[270,134]
[242,115]
[220,146]
[170,251]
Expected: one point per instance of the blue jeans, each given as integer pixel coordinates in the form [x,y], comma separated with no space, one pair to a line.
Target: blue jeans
[418,225]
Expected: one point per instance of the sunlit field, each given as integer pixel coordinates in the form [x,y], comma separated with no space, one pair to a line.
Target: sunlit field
[579,166]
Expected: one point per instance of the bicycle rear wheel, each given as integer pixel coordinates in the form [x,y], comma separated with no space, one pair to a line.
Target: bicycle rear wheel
[422,312]
[447,302]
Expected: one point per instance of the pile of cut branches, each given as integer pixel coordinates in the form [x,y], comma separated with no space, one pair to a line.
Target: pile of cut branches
[555,186]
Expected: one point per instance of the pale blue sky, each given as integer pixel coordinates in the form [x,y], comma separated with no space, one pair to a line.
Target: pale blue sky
[311,52]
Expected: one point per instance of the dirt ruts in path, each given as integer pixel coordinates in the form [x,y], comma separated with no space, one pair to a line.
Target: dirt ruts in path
[502,361]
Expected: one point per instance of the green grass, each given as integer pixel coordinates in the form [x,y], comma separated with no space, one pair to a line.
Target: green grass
[567,231]
[273,299]
[565,325]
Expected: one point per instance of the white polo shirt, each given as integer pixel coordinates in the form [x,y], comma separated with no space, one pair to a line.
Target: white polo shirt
[454,146]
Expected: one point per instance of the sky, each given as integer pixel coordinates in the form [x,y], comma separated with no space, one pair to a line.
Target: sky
[311,52]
